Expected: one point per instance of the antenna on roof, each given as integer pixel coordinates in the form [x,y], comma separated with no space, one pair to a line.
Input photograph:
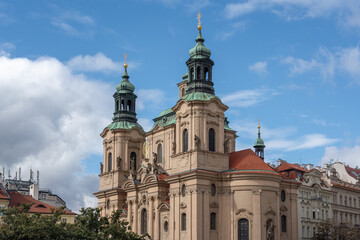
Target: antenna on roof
[9,175]
[15,176]
[37,176]
[20,173]
[3,177]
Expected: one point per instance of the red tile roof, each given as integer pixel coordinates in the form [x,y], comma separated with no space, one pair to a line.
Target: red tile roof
[3,194]
[247,160]
[17,198]
[288,166]
[355,173]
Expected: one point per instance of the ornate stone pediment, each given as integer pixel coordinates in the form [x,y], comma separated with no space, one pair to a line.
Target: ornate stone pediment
[183,205]
[214,205]
[243,210]
[270,211]
[164,207]
[283,208]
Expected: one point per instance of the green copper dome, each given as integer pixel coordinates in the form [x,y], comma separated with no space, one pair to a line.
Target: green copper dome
[125,85]
[259,143]
[199,51]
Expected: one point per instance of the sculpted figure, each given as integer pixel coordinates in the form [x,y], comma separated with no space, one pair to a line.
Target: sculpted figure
[118,162]
[101,167]
[197,142]
[155,158]
[270,230]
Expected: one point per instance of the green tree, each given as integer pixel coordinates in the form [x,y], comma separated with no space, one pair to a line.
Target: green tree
[330,231]
[17,224]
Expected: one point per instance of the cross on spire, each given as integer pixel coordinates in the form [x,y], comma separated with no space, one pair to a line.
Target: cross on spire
[199,21]
[125,64]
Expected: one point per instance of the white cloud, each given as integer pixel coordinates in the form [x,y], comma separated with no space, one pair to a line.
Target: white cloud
[259,68]
[328,63]
[151,98]
[349,61]
[234,28]
[50,120]
[346,11]
[305,142]
[74,23]
[146,123]
[6,48]
[97,63]
[348,155]
[247,98]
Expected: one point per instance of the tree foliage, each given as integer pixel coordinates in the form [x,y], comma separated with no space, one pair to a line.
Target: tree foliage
[330,231]
[17,224]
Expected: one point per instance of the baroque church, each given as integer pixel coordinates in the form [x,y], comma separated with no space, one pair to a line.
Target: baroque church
[183,179]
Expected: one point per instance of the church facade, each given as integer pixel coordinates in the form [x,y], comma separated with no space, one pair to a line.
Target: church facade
[183,179]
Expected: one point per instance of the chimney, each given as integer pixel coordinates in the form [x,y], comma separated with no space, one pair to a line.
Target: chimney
[20,173]
[34,191]
[37,177]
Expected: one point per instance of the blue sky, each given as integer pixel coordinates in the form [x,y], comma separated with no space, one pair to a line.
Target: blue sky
[294,64]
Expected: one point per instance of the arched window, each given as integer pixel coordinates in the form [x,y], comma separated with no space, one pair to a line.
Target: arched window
[143,221]
[122,105]
[183,222]
[243,229]
[109,162]
[212,221]
[283,223]
[159,153]
[133,161]
[211,140]
[206,74]
[198,72]
[192,74]
[117,106]
[183,190]
[185,140]
[166,226]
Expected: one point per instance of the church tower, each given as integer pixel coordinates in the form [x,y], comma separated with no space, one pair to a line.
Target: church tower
[259,145]
[123,143]
[202,138]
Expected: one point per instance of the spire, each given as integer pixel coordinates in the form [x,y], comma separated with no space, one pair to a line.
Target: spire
[125,100]
[200,66]
[259,144]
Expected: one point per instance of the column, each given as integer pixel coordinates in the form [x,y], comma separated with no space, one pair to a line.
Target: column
[257,228]
[157,220]
[136,213]
[150,218]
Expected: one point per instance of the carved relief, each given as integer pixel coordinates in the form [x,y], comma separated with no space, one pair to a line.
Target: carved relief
[183,205]
[270,211]
[214,205]
[283,208]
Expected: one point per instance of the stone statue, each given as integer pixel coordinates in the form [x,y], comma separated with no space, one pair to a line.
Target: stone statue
[148,168]
[155,158]
[226,146]
[126,177]
[197,142]
[118,163]
[270,230]
[173,148]
[101,168]
[132,163]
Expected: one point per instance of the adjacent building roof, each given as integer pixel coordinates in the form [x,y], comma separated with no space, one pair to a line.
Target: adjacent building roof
[17,198]
[248,160]
[355,173]
[3,193]
[288,166]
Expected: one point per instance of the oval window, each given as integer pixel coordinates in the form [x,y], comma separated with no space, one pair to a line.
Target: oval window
[213,189]
[183,190]
[283,196]
[166,226]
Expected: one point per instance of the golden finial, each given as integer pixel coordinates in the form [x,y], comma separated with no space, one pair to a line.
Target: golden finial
[259,123]
[199,27]
[125,64]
